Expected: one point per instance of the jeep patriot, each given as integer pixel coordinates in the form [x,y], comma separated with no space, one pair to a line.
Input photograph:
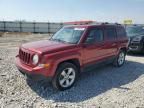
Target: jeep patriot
[70,51]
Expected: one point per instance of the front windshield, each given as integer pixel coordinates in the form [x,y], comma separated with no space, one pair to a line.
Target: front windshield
[133,31]
[69,35]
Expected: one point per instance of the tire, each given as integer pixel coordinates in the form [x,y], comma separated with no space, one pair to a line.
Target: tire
[66,72]
[120,59]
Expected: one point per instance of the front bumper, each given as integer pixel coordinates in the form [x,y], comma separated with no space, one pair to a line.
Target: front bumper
[36,77]
[37,74]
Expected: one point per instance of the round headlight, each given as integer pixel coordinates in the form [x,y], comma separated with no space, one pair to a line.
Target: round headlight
[35,59]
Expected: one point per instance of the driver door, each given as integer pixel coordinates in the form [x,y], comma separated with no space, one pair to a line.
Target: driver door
[94,47]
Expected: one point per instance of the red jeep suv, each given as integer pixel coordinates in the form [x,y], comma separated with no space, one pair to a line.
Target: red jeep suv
[70,51]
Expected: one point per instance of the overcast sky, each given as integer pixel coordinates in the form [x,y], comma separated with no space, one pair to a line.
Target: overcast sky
[71,10]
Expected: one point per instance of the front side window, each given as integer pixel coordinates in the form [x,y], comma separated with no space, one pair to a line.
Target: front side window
[95,36]
[69,35]
[110,34]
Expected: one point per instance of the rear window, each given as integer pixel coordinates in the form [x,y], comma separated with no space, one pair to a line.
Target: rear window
[110,33]
[121,32]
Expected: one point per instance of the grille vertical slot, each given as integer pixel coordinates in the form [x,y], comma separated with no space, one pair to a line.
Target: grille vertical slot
[24,56]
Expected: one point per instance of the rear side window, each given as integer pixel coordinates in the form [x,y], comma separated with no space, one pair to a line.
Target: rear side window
[110,33]
[121,32]
[94,36]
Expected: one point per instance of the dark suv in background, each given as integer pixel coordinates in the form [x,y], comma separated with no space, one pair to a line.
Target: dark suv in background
[136,38]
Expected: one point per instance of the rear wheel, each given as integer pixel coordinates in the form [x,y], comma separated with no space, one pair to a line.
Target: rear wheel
[120,59]
[65,77]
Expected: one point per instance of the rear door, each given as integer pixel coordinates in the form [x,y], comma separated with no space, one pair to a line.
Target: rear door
[111,41]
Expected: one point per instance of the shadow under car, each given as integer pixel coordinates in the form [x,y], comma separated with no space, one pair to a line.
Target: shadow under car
[92,83]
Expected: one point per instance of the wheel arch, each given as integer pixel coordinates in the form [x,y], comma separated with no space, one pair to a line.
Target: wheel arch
[123,49]
[74,61]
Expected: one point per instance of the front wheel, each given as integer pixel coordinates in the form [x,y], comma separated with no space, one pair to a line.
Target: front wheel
[120,59]
[65,76]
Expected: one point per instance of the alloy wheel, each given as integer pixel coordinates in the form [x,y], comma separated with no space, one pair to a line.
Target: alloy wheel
[67,77]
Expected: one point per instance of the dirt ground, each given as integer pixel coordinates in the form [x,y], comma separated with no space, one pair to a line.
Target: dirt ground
[104,87]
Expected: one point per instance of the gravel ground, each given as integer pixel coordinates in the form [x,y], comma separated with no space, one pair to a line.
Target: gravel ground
[104,87]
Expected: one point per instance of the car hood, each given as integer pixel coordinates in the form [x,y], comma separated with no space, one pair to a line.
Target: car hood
[46,46]
[131,37]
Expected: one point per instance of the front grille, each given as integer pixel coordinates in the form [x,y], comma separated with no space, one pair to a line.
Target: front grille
[134,44]
[134,47]
[24,56]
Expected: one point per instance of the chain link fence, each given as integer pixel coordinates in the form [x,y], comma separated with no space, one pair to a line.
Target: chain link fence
[33,27]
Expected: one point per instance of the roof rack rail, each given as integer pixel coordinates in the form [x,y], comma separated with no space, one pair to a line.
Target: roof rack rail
[110,23]
[117,23]
[104,23]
